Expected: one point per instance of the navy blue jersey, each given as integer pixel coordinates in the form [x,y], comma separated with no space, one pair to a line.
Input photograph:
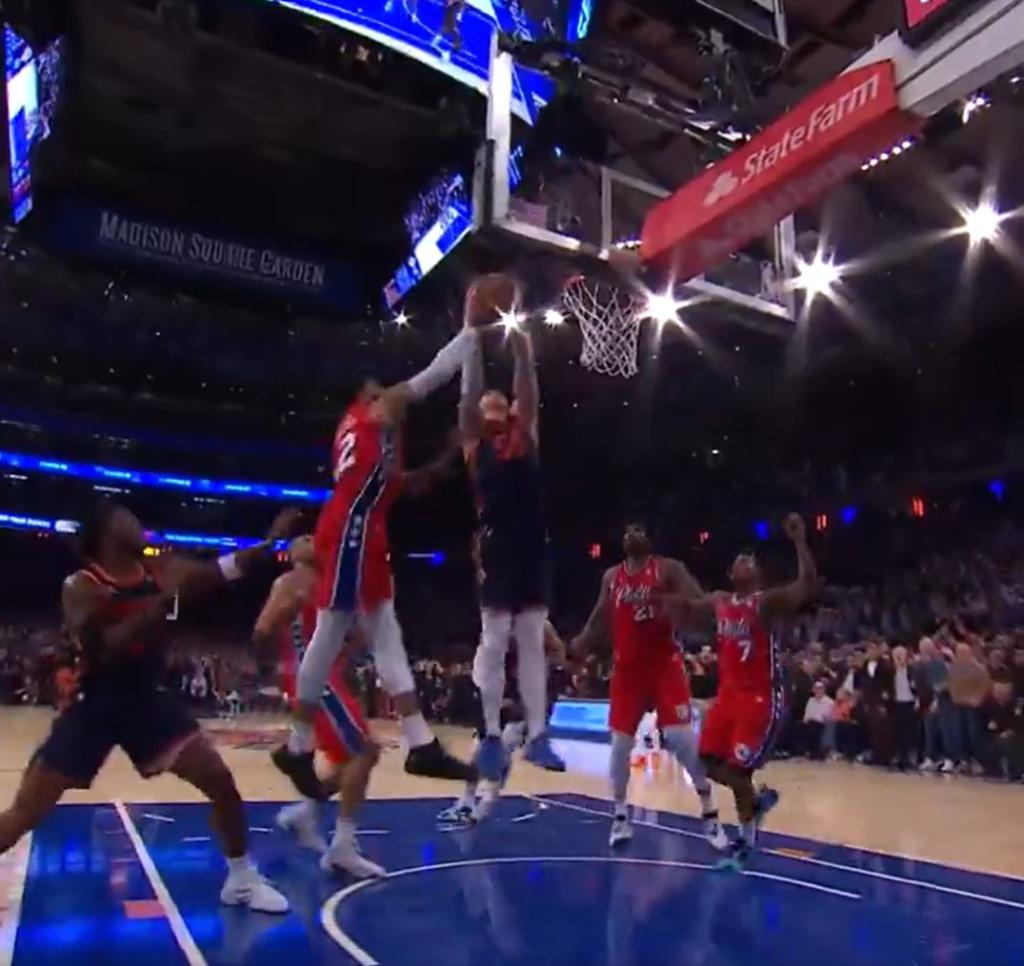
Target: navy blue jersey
[510,493]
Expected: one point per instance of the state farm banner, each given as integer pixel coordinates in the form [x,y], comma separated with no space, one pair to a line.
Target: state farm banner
[814,146]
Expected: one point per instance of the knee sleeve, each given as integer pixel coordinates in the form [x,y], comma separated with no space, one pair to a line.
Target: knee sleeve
[618,764]
[489,662]
[324,647]
[389,656]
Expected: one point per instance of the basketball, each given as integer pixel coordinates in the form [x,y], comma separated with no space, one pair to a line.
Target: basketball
[490,297]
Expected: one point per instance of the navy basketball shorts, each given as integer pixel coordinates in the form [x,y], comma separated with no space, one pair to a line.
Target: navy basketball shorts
[152,728]
[513,572]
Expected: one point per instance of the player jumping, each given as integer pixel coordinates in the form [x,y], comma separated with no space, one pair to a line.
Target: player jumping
[116,613]
[501,446]
[647,671]
[740,726]
[352,551]
[478,797]
[341,732]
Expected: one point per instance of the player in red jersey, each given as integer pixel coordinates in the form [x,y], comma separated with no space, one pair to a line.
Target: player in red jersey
[355,571]
[342,734]
[739,728]
[647,670]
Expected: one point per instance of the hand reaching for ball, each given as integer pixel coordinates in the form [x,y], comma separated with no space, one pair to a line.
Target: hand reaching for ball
[489,298]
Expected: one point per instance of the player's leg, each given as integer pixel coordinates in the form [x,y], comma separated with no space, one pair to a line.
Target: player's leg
[628,700]
[528,631]
[337,597]
[79,742]
[158,733]
[345,740]
[673,706]
[426,754]
[489,677]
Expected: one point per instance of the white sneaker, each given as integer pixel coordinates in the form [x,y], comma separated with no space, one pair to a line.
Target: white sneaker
[716,835]
[348,858]
[927,765]
[947,767]
[621,831]
[299,820]
[249,888]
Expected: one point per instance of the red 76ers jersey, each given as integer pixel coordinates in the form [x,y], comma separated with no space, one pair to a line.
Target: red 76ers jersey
[362,448]
[746,651]
[640,629]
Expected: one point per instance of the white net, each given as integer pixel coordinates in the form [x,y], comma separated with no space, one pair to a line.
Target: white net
[609,318]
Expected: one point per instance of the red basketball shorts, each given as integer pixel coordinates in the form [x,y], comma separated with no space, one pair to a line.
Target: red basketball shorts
[642,685]
[339,727]
[352,556]
[740,727]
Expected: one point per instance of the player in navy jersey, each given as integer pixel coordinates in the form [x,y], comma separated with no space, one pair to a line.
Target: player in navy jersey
[116,613]
[501,446]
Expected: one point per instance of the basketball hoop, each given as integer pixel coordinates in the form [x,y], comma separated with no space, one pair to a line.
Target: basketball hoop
[609,318]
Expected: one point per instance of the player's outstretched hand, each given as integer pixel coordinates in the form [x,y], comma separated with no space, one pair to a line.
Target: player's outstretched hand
[285,524]
[794,528]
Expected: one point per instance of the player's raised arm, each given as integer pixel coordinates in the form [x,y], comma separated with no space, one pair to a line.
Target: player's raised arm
[471,422]
[524,381]
[791,597]
[189,574]
[597,622]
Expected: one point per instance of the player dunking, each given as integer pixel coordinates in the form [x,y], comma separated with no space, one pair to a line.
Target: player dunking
[501,445]
[355,572]
[737,733]
[647,671]
[116,613]
[341,732]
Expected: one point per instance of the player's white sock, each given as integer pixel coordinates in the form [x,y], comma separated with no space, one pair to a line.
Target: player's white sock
[513,735]
[528,630]
[748,831]
[468,797]
[300,738]
[344,832]
[416,731]
[618,767]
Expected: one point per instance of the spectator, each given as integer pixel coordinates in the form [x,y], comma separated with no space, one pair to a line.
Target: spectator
[903,709]
[1002,726]
[1017,671]
[849,733]
[876,693]
[940,722]
[819,724]
[969,685]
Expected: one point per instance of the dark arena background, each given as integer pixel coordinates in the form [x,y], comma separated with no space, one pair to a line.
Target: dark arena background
[771,257]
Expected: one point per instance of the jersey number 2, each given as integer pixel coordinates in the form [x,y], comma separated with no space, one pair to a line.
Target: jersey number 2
[346,455]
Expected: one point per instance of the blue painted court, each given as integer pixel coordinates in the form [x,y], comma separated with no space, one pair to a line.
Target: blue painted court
[537,885]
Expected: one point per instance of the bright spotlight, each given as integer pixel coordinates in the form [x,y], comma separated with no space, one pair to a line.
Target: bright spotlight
[662,307]
[511,320]
[402,320]
[553,317]
[982,224]
[971,106]
[817,276]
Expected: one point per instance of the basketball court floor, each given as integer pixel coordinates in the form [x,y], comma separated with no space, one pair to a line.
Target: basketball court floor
[858,866]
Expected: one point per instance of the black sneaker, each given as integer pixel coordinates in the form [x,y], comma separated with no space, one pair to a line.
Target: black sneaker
[433,761]
[298,766]
[736,857]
